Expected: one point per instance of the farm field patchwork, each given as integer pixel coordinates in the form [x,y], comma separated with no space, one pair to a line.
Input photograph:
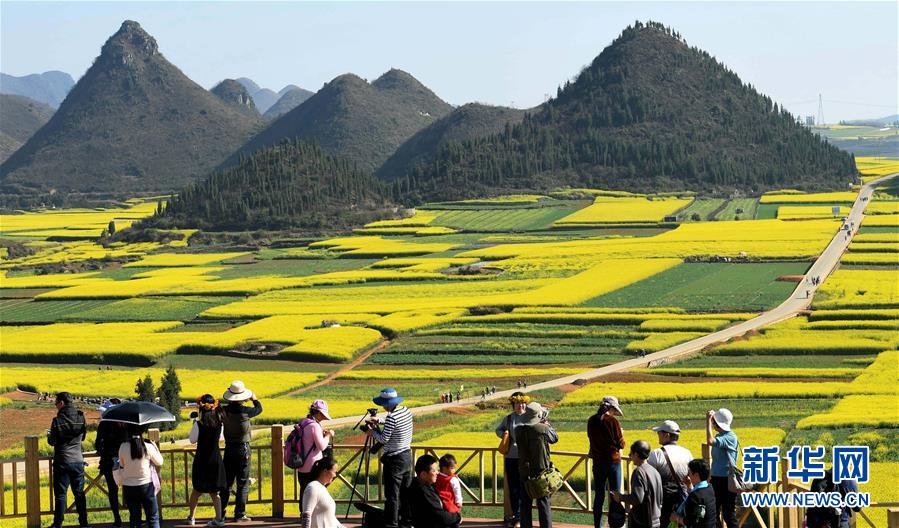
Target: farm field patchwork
[612,210]
[709,287]
[702,209]
[547,303]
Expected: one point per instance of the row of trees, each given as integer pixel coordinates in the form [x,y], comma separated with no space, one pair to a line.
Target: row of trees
[168,394]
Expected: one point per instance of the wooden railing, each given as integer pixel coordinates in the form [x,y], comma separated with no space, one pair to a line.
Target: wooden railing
[480,469]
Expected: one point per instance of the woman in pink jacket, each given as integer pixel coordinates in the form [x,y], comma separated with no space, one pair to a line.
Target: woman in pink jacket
[314,442]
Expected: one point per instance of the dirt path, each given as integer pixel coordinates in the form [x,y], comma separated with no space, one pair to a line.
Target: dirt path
[349,366]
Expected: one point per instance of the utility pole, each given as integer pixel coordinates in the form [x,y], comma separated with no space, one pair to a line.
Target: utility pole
[820,118]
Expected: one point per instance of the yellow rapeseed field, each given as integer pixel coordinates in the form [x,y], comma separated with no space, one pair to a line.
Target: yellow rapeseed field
[419,219]
[683,325]
[399,322]
[784,339]
[828,197]
[805,212]
[132,343]
[671,391]
[601,278]
[182,259]
[867,410]
[884,220]
[78,222]
[876,238]
[873,166]
[120,382]
[882,259]
[882,208]
[775,239]
[405,230]
[661,341]
[375,246]
[449,373]
[859,289]
[753,372]
[614,210]
[54,252]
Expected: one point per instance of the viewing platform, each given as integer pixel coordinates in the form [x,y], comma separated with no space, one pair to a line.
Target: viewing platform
[26,492]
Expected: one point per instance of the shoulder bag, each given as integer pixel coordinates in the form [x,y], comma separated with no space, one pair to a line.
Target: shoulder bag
[545,484]
[682,493]
[735,482]
[505,444]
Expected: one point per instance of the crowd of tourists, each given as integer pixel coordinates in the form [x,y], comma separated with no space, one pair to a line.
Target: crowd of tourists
[668,486]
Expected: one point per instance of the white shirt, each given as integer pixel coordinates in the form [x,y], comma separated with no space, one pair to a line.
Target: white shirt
[680,457]
[137,472]
[319,509]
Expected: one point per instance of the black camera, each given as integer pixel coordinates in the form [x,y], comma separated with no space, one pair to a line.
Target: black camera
[366,426]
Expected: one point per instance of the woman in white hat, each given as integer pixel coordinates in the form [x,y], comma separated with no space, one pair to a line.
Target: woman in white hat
[236,425]
[724,446]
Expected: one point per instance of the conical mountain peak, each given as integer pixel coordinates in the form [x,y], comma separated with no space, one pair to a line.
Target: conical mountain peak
[130,42]
[395,78]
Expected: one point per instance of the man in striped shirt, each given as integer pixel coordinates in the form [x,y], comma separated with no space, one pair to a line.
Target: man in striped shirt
[396,457]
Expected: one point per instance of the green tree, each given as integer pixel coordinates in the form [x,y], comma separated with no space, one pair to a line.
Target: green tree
[144,389]
[169,396]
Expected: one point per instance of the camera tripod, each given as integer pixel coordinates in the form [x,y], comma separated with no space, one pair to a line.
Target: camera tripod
[370,446]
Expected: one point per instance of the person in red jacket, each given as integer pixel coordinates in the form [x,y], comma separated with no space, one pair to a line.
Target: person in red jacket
[448,487]
[606,443]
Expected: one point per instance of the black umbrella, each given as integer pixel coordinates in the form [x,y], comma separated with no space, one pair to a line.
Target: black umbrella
[137,413]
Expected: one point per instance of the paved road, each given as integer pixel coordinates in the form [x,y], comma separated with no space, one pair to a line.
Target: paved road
[797,302]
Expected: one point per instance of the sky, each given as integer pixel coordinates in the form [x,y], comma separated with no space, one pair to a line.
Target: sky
[503,53]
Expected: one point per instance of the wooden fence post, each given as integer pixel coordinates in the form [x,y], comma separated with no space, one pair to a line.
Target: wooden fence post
[893,518]
[277,472]
[32,483]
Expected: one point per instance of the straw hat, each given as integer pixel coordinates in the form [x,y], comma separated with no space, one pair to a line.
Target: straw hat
[237,392]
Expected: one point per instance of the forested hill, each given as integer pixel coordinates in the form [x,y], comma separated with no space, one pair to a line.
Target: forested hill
[649,114]
[363,122]
[292,184]
[469,121]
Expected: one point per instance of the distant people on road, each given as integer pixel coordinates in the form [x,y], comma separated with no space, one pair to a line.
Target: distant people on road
[309,440]
[533,437]
[67,431]
[519,401]
[606,442]
[139,459]
[699,510]
[319,509]
[724,444]
[645,497]
[671,461]
[236,424]
[111,435]
[208,470]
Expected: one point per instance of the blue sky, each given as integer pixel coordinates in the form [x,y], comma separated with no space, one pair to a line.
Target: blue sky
[507,53]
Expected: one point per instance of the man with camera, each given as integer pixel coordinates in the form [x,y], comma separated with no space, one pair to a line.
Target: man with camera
[396,458]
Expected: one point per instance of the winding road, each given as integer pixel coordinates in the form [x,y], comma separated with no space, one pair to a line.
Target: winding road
[796,303]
